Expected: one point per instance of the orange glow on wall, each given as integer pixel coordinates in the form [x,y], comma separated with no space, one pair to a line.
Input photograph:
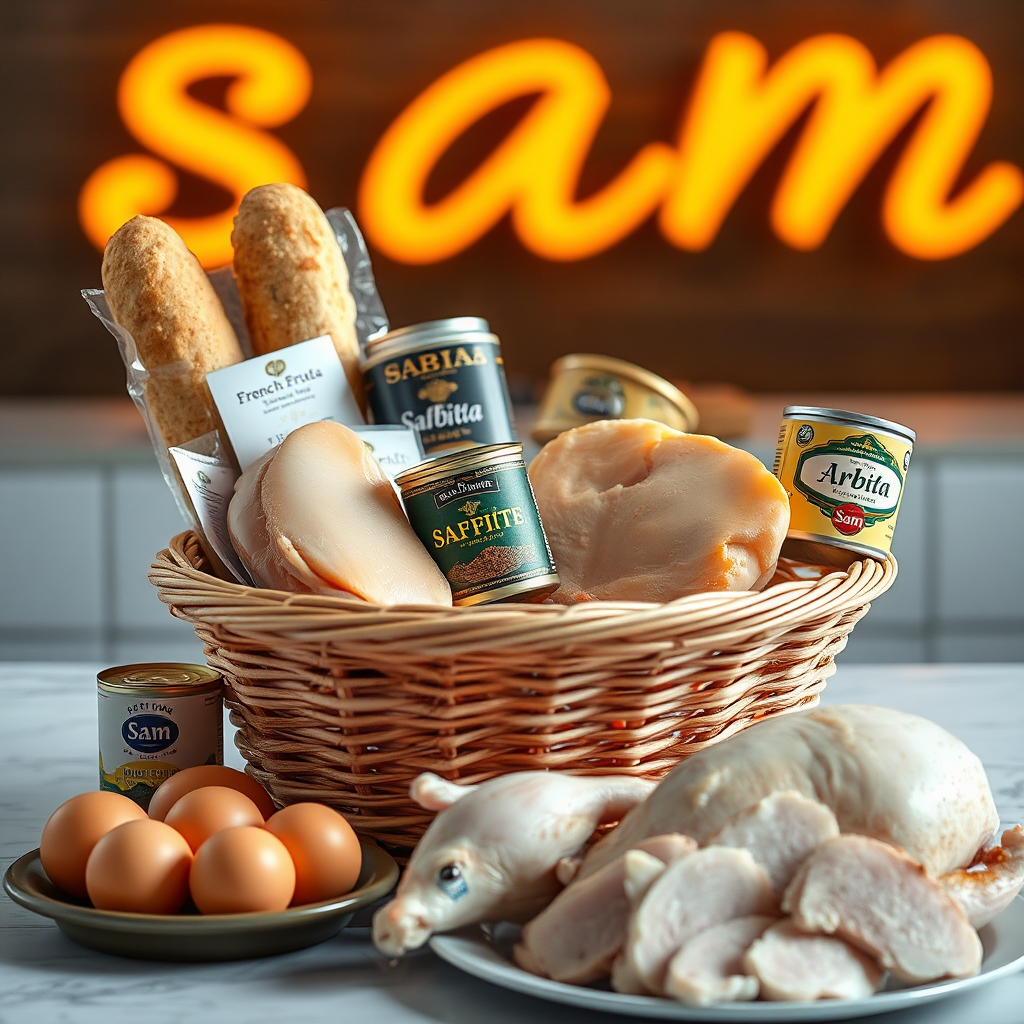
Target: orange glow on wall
[272,84]
[738,112]
[533,172]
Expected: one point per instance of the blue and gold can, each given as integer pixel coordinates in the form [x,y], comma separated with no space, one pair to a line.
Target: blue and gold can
[445,379]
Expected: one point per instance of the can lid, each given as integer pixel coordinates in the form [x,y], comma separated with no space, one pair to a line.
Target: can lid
[466,460]
[854,419]
[609,364]
[169,677]
[405,338]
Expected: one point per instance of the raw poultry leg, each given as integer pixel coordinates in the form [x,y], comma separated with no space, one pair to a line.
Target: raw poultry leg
[990,884]
[707,887]
[791,964]
[709,968]
[885,904]
[896,777]
[781,832]
[576,937]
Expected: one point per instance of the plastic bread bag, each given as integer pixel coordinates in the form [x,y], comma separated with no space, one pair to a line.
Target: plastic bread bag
[371,321]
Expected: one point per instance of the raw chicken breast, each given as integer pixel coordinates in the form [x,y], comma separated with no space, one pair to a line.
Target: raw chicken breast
[896,777]
[317,514]
[990,884]
[575,939]
[637,511]
[780,832]
[791,964]
[709,968]
[704,889]
[882,902]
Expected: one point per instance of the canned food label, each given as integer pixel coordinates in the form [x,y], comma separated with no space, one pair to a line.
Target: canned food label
[842,483]
[451,395]
[482,529]
[857,475]
[600,396]
[145,740]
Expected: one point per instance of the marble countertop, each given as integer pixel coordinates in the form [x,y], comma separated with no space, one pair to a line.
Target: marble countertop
[48,753]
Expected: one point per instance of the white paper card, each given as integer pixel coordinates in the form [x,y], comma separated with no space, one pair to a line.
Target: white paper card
[210,484]
[262,400]
[395,448]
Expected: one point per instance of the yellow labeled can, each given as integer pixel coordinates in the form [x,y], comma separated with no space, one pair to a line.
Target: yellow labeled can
[844,473]
[154,720]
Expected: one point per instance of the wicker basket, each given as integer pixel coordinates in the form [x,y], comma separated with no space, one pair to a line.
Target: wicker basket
[345,702]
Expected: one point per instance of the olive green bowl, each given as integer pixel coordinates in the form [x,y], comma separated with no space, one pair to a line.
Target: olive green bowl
[194,936]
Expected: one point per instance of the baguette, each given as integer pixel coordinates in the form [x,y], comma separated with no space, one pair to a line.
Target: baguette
[158,292]
[292,277]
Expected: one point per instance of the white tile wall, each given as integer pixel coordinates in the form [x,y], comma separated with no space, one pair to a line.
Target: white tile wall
[52,560]
[980,534]
[959,595]
[144,518]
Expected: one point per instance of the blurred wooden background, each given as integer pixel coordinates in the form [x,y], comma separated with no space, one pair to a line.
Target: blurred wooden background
[856,314]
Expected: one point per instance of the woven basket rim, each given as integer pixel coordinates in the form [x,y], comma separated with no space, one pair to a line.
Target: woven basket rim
[188,588]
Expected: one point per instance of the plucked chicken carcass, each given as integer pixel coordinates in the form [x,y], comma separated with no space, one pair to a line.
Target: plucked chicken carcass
[895,777]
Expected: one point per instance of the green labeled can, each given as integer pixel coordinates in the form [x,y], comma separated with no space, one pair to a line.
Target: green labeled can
[475,512]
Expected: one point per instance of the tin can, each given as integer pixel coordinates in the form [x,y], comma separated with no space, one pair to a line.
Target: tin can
[154,720]
[585,388]
[446,379]
[475,513]
[844,473]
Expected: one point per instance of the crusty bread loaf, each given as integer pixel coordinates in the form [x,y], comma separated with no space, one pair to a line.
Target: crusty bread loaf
[158,292]
[292,276]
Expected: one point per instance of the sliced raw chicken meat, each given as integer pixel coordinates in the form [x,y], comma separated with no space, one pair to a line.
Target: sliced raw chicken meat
[884,903]
[708,887]
[791,964]
[990,884]
[781,832]
[575,939]
[709,968]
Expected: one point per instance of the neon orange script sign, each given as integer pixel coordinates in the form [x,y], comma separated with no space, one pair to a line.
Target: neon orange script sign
[272,83]
[739,110]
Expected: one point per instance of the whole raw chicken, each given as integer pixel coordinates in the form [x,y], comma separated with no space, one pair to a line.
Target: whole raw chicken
[885,774]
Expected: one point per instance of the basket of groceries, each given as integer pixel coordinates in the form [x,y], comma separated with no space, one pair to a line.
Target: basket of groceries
[389,589]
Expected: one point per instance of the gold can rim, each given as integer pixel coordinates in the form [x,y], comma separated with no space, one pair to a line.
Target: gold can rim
[389,347]
[646,378]
[171,678]
[549,582]
[464,460]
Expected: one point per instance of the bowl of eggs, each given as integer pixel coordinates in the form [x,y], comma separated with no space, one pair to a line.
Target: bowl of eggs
[212,872]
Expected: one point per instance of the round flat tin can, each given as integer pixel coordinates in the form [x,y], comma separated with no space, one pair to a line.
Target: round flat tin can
[154,720]
[586,388]
[844,473]
[445,379]
[475,513]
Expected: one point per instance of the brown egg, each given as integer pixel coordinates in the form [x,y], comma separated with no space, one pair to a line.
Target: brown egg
[242,870]
[75,828]
[140,866]
[323,846]
[188,779]
[197,815]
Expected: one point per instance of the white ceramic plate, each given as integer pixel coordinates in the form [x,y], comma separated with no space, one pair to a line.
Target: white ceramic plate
[486,953]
